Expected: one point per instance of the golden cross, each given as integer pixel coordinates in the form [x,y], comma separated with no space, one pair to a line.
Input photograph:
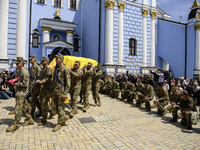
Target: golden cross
[57,12]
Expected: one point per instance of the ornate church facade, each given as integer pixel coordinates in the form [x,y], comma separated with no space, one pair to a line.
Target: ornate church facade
[122,35]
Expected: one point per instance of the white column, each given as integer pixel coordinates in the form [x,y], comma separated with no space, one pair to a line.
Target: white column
[120,33]
[197,53]
[109,32]
[46,34]
[21,29]
[144,36]
[4,6]
[69,36]
[153,14]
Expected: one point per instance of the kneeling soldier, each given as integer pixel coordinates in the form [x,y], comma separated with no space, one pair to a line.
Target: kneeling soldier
[114,93]
[187,106]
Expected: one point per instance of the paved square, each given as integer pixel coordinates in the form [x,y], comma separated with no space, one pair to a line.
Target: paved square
[118,125]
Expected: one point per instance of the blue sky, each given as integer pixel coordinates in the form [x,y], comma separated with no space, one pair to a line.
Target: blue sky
[176,8]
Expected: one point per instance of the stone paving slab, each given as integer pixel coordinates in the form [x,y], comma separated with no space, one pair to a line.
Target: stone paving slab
[118,125]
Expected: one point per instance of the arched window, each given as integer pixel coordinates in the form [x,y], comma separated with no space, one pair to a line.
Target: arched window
[72,4]
[35,40]
[76,42]
[57,3]
[132,46]
[56,38]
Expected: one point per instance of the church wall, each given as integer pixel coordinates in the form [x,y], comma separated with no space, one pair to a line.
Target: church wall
[171,46]
[90,29]
[191,42]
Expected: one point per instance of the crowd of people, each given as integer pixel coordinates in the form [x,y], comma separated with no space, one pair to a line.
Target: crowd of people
[35,88]
[157,89]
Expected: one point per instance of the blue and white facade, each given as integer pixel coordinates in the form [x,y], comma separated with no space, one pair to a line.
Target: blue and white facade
[108,31]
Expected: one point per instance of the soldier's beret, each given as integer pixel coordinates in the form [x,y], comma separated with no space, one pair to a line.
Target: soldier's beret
[32,56]
[45,59]
[60,56]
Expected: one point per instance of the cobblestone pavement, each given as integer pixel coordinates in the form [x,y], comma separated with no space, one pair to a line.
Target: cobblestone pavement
[114,125]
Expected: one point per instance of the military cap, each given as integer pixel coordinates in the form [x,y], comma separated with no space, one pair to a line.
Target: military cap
[89,64]
[77,62]
[32,56]
[99,65]
[60,56]
[45,59]
[184,92]
[20,60]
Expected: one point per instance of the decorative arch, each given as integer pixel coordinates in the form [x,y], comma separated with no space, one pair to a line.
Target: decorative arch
[64,51]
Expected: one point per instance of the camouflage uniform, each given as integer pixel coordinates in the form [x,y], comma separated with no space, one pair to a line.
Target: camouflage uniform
[107,86]
[86,85]
[174,97]
[34,75]
[96,86]
[149,93]
[58,105]
[123,90]
[187,104]
[101,83]
[114,93]
[45,91]
[75,88]
[131,92]
[21,88]
[139,99]
[163,99]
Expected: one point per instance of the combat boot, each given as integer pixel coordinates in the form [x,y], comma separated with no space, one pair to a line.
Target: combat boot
[28,122]
[12,128]
[39,114]
[57,128]
[95,104]
[71,115]
[189,127]
[65,119]
[173,120]
[86,108]
[42,123]
[12,112]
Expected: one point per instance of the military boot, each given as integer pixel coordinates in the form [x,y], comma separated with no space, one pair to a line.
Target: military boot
[173,120]
[57,128]
[51,116]
[86,108]
[28,122]
[39,114]
[65,119]
[12,112]
[71,115]
[12,128]
[42,123]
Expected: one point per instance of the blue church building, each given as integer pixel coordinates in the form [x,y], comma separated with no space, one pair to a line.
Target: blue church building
[122,35]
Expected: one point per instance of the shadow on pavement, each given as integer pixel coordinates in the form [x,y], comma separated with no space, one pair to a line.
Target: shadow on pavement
[7,121]
[10,108]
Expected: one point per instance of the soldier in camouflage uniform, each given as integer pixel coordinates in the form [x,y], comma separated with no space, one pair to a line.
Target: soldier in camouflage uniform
[139,89]
[46,89]
[174,98]
[123,90]
[148,95]
[162,99]
[107,85]
[60,86]
[87,83]
[114,93]
[21,88]
[35,71]
[76,74]
[187,106]
[131,92]
[96,85]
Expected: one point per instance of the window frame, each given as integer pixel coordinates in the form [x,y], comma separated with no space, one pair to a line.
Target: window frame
[37,38]
[76,37]
[36,1]
[61,3]
[54,37]
[69,5]
[132,48]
